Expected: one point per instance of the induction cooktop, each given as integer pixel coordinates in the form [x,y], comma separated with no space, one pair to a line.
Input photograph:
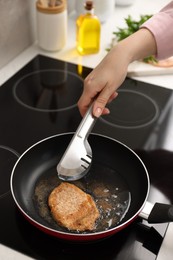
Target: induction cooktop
[40,100]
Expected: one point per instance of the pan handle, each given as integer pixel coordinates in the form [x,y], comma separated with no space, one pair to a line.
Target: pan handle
[157,213]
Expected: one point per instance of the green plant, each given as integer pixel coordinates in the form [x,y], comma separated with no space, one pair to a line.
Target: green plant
[133,26]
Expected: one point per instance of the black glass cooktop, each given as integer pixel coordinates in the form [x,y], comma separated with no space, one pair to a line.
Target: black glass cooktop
[41,100]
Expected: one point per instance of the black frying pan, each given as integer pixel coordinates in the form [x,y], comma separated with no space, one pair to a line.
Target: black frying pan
[118,181]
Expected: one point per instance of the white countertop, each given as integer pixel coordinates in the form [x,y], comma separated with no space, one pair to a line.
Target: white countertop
[70,54]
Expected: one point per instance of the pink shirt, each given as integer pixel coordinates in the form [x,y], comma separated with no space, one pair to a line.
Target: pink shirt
[161,26]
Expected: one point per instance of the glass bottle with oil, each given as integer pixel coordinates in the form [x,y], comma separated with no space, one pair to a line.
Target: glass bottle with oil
[88,31]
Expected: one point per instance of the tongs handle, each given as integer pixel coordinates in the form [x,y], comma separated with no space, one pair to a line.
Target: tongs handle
[86,124]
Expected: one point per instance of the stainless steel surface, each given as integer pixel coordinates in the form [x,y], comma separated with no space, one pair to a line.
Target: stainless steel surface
[146,210]
[7,253]
[166,250]
[77,158]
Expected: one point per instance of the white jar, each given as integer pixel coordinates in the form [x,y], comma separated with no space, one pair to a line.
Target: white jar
[52,26]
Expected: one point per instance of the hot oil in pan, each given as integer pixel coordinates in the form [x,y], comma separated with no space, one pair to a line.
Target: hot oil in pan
[108,189]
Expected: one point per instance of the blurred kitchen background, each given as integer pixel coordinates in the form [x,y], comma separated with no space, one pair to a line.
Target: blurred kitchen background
[18,26]
[17,29]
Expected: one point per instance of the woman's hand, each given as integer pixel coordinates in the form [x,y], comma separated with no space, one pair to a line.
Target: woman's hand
[102,83]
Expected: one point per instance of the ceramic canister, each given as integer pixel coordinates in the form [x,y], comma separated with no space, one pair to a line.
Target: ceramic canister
[52,25]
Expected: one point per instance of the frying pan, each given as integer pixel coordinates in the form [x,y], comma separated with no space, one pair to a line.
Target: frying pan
[118,181]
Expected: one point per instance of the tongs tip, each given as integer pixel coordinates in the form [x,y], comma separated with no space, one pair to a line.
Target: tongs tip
[76,161]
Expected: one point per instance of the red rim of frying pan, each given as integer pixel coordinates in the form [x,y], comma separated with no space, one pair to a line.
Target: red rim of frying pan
[78,236]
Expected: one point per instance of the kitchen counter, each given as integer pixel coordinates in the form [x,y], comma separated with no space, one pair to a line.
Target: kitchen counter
[70,54]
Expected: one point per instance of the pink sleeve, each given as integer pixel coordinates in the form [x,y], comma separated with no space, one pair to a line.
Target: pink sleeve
[161,26]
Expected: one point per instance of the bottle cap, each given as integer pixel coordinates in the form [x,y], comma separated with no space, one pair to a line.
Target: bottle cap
[88,5]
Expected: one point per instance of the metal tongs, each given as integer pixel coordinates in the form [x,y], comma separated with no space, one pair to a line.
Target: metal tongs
[77,158]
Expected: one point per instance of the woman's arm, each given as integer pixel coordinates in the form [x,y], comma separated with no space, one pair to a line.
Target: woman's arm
[101,84]
[161,26]
[155,37]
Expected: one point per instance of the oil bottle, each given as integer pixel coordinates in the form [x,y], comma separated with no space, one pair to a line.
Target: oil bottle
[88,31]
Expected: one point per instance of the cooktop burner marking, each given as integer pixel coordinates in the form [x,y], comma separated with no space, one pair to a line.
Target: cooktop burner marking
[131,109]
[8,158]
[49,90]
